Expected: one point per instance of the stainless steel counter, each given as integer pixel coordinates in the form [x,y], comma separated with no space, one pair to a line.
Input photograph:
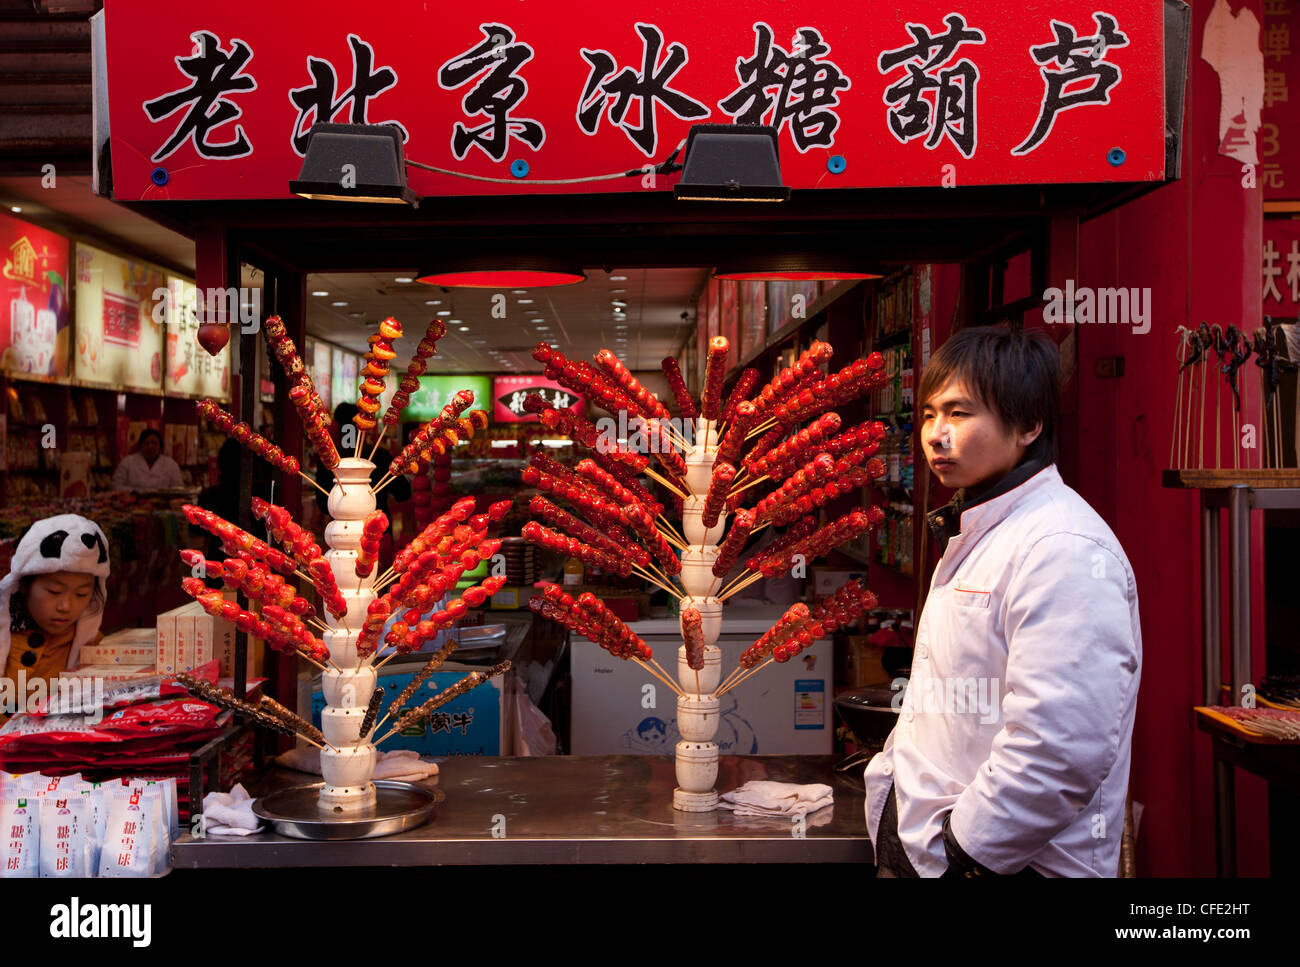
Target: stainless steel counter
[572,810]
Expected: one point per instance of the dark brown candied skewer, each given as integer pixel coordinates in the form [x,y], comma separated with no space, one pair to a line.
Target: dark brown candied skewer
[436,661]
[471,681]
[693,638]
[296,721]
[210,693]
[371,711]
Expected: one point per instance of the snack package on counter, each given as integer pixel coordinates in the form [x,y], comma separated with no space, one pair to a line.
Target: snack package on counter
[128,849]
[20,847]
[64,822]
[94,794]
[164,820]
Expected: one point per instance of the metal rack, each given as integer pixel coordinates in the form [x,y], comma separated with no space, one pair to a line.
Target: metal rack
[1240,492]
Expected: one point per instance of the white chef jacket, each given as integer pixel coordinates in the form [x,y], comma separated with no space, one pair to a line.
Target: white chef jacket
[133,473]
[1019,713]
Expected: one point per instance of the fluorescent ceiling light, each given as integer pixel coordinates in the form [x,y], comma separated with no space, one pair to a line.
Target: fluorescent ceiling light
[338,303]
[403,278]
[320,292]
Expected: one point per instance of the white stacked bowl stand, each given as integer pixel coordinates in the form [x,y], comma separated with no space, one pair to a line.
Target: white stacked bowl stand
[348,771]
[698,711]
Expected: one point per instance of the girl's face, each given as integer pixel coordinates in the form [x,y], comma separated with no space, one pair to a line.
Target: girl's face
[56,601]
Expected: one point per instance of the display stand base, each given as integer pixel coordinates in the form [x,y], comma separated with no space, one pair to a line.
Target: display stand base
[398,806]
[694,802]
[339,800]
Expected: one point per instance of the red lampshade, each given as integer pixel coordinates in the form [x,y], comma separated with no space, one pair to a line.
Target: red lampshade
[794,268]
[502,272]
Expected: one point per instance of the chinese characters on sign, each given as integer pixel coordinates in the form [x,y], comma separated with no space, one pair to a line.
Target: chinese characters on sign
[213,73]
[494,95]
[1279,130]
[1281,268]
[316,101]
[953,113]
[509,392]
[804,99]
[232,103]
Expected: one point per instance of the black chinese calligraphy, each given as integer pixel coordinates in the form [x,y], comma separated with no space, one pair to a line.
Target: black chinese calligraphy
[514,400]
[647,87]
[796,89]
[934,98]
[316,101]
[1076,63]
[495,94]
[213,72]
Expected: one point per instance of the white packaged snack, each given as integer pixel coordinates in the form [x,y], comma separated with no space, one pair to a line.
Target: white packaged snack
[171,809]
[153,797]
[63,836]
[128,849]
[97,819]
[21,840]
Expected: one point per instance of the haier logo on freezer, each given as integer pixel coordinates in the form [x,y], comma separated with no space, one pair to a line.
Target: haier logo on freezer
[1126,307]
[78,921]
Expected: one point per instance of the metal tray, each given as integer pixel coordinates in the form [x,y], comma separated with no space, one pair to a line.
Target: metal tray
[399,806]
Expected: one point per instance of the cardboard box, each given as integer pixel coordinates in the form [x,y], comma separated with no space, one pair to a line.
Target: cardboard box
[167,660]
[865,666]
[130,646]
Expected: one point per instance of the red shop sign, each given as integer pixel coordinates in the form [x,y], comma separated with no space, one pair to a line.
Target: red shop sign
[1281,268]
[509,393]
[215,101]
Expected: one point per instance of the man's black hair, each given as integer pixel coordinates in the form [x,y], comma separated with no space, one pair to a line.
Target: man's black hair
[1015,374]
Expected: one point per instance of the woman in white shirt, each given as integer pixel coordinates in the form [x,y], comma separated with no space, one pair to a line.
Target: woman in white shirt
[148,468]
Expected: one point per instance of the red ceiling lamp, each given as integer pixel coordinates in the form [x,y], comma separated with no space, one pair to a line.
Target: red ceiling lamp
[794,268]
[502,272]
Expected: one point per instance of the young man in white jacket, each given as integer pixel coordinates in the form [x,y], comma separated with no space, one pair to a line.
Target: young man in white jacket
[1011,751]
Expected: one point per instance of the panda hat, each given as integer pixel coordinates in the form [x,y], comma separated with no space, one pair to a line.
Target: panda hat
[67,542]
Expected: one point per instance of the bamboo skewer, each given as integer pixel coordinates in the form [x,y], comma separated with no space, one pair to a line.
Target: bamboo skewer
[375,448]
[1200,461]
[664,577]
[752,483]
[744,678]
[673,530]
[671,539]
[663,679]
[760,430]
[655,581]
[312,481]
[743,584]
[731,676]
[743,574]
[666,482]
[1178,397]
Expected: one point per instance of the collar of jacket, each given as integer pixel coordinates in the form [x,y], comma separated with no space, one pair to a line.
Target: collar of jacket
[946,522]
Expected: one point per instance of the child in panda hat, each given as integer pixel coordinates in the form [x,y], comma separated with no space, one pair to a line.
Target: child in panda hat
[52,599]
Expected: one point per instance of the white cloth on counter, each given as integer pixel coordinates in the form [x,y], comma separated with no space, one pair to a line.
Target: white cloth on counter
[761,797]
[399,765]
[230,813]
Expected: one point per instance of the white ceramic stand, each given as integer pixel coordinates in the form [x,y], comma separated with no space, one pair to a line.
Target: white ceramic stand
[348,690]
[698,711]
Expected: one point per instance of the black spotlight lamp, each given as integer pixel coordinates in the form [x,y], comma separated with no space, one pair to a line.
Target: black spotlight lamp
[731,162]
[794,268]
[354,162]
[502,272]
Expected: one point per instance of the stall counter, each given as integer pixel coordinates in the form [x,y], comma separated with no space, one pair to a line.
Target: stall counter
[572,810]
